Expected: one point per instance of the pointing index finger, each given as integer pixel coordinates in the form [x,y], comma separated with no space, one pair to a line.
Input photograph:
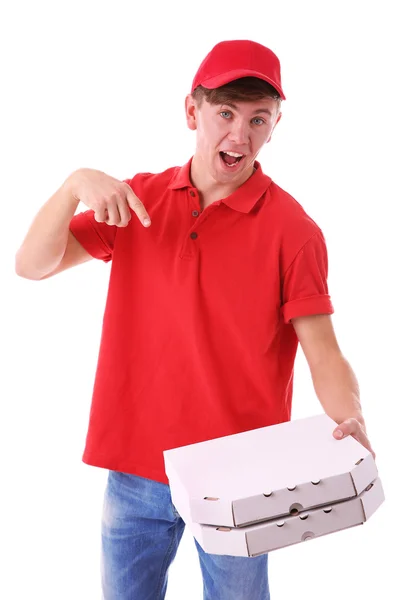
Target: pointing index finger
[138,207]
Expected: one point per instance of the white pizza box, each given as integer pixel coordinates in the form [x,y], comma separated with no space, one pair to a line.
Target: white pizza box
[278,533]
[268,472]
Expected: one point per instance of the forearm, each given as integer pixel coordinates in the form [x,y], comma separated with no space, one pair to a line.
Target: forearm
[45,242]
[337,389]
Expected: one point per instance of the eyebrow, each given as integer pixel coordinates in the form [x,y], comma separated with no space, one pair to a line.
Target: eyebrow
[256,112]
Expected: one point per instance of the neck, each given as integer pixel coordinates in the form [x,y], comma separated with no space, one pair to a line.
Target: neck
[209,189]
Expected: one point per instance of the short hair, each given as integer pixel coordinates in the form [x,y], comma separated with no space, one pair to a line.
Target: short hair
[244,89]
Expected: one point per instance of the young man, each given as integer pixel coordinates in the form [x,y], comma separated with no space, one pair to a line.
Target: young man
[206,305]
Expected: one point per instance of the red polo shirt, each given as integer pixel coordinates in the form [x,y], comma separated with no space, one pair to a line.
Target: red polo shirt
[197,341]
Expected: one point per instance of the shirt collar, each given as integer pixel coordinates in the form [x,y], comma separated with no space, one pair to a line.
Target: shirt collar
[242,199]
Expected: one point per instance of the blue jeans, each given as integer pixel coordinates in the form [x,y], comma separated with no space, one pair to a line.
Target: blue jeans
[141,531]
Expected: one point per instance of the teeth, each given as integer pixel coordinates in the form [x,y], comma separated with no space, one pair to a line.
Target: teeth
[232,153]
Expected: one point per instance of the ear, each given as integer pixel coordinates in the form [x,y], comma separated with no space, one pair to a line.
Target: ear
[190,108]
[275,124]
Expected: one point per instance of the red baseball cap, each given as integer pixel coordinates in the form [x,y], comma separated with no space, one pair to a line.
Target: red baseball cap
[234,59]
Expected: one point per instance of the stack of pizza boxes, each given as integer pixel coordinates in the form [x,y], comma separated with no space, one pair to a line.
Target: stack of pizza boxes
[253,492]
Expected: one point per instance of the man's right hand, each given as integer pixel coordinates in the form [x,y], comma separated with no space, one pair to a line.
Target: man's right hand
[109,198]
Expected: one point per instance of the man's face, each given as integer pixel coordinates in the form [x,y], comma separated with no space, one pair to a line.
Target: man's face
[240,127]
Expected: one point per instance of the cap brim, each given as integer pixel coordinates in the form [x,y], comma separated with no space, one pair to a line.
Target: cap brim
[223,78]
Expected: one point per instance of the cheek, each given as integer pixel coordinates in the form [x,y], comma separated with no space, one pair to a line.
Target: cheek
[210,133]
[213,135]
[261,137]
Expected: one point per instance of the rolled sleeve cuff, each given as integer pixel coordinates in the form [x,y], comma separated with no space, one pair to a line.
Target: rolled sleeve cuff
[313,305]
[88,239]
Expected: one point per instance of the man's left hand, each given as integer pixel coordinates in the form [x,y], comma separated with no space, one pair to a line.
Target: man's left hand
[355,429]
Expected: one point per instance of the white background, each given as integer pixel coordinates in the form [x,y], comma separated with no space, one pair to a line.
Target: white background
[102,85]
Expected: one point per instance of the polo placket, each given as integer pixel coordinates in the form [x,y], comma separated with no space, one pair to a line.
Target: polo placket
[190,246]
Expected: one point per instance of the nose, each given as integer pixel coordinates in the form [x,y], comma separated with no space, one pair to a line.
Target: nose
[239,133]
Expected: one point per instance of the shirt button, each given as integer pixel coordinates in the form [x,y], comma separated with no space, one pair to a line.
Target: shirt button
[195,213]
[192,193]
[193,235]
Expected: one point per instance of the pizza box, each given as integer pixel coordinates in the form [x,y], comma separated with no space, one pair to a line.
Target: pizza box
[265,473]
[259,539]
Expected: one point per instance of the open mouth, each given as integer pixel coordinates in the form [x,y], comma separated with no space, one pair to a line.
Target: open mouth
[231,159]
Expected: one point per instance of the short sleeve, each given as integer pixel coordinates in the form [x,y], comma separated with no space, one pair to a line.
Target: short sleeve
[97,238]
[304,286]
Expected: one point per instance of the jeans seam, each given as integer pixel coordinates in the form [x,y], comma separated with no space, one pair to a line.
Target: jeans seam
[165,562]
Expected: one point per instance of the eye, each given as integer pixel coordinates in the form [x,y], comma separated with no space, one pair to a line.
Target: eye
[258,119]
[225,112]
